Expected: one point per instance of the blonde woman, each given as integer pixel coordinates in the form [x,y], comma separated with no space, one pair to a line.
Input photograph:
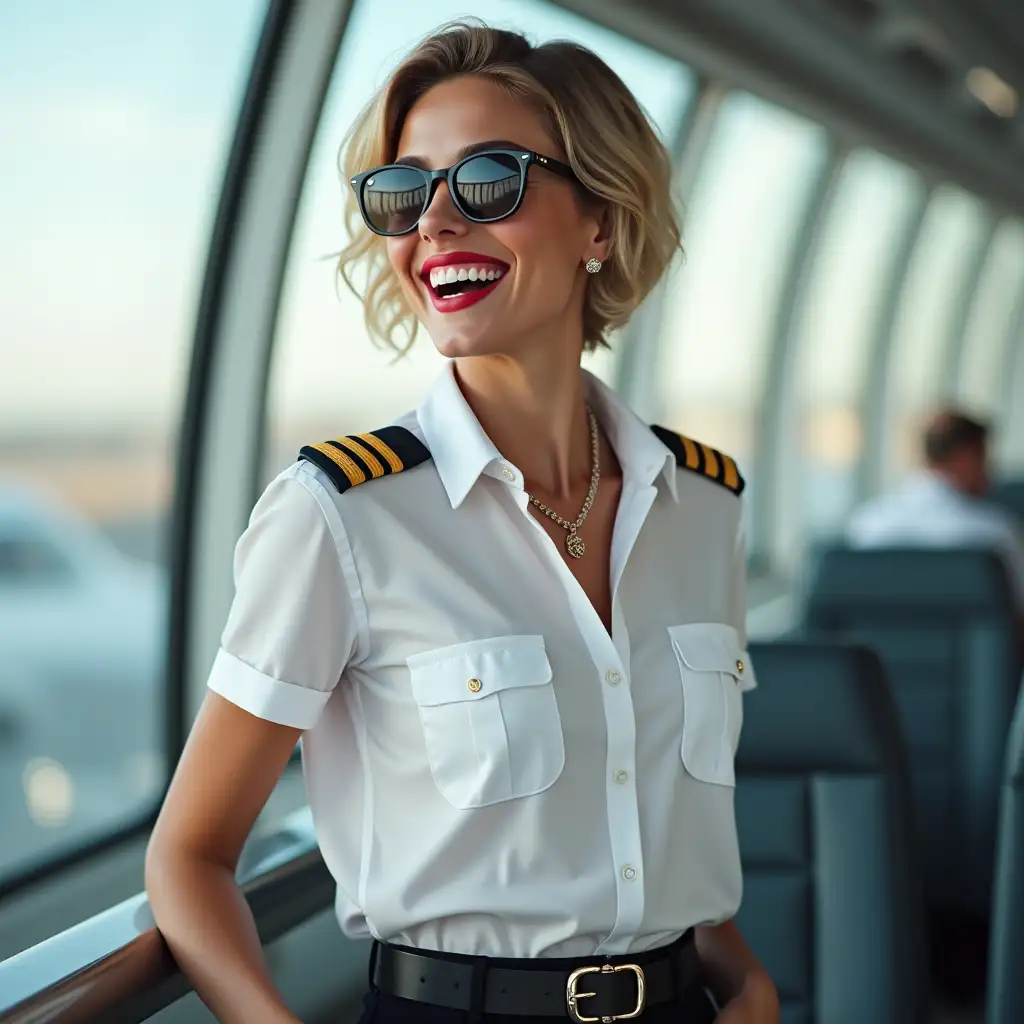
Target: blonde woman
[510,626]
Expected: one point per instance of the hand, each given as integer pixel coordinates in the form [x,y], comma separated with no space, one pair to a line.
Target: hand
[756,1003]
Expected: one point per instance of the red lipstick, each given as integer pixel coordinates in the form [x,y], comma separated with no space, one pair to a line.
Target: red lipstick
[472,294]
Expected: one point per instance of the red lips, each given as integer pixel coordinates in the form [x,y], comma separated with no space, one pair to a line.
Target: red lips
[456,303]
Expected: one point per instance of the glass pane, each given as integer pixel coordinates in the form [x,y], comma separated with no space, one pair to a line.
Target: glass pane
[743,216]
[851,271]
[953,228]
[1010,438]
[116,131]
[993,311]
[328,378]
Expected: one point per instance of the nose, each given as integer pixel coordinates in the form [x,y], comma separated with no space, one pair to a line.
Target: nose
[441,217]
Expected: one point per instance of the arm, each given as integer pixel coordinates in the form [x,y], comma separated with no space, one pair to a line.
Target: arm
[739,983]
[289,635]
[735,976]
[229,767]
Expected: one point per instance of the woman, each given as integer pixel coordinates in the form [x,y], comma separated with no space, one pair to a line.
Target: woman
[511,624]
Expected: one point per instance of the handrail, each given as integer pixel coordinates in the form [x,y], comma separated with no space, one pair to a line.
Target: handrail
[116,967]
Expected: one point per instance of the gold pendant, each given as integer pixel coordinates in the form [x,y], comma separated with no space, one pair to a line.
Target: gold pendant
[574,545]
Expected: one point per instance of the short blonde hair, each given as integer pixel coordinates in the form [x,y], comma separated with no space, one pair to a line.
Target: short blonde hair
[607,138]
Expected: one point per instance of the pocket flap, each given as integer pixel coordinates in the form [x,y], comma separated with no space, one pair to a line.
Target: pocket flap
[711,647]
[474,670]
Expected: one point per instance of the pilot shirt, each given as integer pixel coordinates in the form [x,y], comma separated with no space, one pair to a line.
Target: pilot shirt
[927,511]
[489,770]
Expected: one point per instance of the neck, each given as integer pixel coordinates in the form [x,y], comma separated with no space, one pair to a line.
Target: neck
[534,410]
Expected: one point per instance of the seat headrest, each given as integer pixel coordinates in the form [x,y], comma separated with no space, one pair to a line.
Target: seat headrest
[1009,494]
[948,580]
[818,707]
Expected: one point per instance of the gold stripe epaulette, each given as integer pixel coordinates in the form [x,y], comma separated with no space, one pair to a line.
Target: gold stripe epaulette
[353,460]
[700,458]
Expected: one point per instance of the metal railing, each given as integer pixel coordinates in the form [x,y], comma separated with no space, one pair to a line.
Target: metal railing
[116,967]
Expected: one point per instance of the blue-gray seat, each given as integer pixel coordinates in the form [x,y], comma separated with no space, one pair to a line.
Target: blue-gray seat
[944,625]
[831,901]
[1010,495]
[1006,955]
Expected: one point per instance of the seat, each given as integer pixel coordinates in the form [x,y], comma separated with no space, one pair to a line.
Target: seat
[831,903]
[1009,494]
[1006,959]
[943,623]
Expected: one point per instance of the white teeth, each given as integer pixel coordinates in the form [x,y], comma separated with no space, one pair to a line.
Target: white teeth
[451,275]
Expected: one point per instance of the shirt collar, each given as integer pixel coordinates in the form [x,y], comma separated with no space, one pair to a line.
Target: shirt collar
[462,452]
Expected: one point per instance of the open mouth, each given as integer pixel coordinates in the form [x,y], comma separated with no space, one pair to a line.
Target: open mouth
[447,282]
[461,280]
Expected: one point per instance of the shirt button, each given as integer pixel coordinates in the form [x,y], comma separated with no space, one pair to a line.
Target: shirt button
[474,685]
[621,776]
[629,872]
[508,473]
[612,677]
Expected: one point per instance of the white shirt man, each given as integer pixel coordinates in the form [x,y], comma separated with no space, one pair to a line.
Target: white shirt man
[941,506]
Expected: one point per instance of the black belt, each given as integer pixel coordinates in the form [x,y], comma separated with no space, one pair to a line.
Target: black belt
[595,989]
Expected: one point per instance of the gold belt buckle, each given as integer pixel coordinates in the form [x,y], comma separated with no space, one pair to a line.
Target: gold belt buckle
[572,997]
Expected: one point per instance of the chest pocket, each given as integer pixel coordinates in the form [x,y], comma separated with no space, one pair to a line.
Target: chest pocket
[490,719]
[713,668]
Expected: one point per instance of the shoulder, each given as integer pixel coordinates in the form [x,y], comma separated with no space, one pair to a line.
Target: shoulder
[356,458]
[702,459]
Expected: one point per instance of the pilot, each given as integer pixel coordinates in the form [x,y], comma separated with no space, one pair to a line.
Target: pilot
[944,504]
[509,626]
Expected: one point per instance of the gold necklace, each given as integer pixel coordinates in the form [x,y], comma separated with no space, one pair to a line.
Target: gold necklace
[573,541]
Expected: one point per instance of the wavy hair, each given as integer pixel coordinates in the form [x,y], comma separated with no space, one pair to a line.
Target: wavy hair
[607,138]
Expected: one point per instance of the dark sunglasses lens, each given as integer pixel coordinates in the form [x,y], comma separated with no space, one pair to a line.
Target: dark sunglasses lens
[393,199]
[488,185]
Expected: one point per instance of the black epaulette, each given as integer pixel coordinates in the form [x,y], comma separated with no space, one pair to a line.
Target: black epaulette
[352,460]
[699,458]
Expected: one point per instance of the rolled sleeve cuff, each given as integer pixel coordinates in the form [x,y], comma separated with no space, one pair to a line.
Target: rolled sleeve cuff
[748,681]
[264,696]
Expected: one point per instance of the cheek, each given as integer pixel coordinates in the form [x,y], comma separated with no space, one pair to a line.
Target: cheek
[400,253]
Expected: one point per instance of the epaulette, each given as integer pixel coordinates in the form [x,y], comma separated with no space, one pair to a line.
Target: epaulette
[699,458]
[352,460]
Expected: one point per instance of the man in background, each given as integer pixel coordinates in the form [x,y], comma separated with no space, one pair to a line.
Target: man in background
[943,505]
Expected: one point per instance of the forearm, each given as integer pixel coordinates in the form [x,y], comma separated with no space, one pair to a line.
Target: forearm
[733,972]
[209,928]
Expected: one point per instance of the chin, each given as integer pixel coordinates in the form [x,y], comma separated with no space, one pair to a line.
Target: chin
[459,344]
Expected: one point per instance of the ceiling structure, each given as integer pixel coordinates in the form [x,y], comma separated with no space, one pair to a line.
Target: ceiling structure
[938,83]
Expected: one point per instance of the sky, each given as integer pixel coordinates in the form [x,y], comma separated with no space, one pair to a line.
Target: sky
[116,118]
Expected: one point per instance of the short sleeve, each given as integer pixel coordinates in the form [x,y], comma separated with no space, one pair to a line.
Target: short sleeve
[293,623]
[738,604]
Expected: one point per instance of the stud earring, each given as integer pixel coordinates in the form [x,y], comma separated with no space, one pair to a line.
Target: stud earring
[593,266]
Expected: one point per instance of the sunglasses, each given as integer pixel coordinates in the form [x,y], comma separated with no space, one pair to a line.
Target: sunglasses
[485,187]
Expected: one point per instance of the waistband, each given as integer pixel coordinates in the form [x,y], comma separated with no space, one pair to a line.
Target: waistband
[580,989]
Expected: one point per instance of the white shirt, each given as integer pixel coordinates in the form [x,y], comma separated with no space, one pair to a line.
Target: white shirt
[489,771]
[927,511]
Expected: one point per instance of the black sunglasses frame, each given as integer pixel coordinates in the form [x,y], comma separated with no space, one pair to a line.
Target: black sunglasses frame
[525,159]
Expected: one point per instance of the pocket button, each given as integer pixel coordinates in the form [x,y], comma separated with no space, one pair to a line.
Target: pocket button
[474,685]
[739,666]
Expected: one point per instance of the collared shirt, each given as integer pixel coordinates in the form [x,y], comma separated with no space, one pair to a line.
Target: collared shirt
[489,770]
[927,511]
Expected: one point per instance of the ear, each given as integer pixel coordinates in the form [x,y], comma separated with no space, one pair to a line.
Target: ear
[600,240]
